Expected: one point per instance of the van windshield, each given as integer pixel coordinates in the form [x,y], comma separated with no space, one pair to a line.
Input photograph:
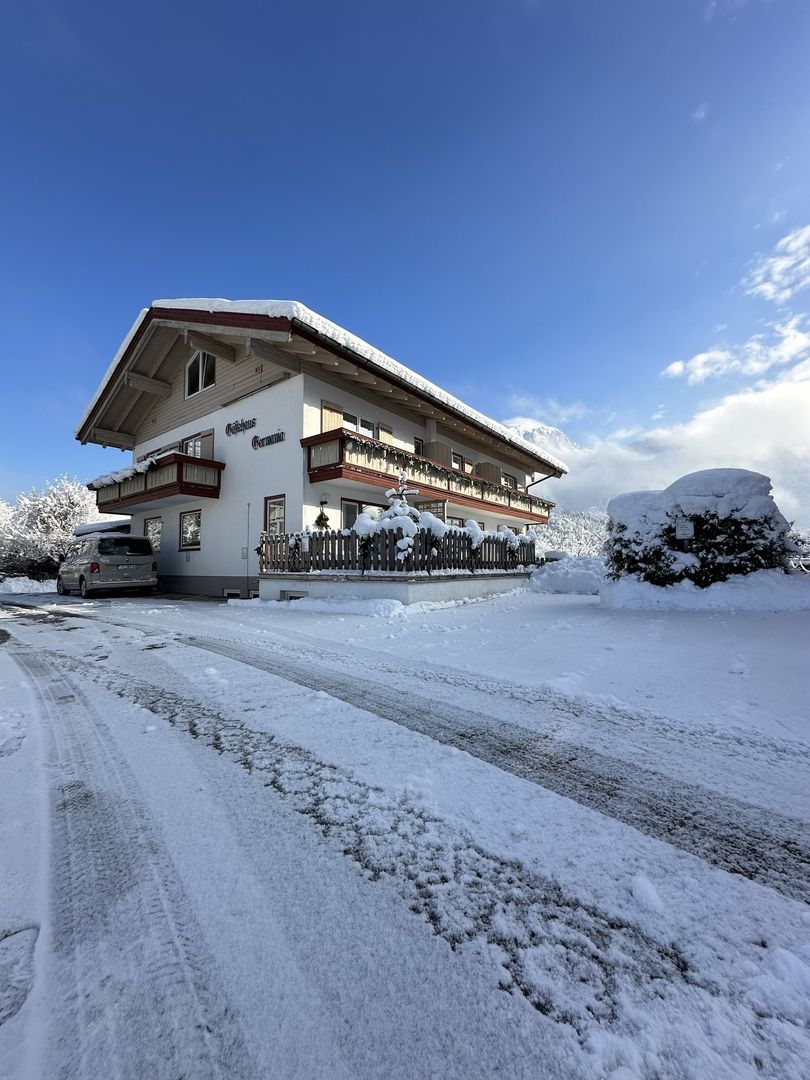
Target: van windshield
[124,545]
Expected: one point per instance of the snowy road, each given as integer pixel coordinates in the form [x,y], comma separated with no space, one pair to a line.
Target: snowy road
[307,862]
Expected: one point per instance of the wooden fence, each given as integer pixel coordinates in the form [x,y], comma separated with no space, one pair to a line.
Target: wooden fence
[340,551]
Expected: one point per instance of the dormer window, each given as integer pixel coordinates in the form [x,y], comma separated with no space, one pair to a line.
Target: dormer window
[201,371]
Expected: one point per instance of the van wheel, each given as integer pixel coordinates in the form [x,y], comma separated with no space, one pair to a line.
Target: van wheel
[83,588]
[60,586]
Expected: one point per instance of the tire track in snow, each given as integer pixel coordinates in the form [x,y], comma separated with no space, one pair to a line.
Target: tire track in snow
[136,992]
[763,846]
[577,964]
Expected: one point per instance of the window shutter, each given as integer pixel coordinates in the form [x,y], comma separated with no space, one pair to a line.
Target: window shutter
[331,416]
[385,434]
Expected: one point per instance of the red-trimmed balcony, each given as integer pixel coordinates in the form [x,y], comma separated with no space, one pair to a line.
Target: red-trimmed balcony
[171,479]
[343,454]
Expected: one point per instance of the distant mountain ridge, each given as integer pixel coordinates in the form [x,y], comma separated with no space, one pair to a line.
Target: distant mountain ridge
[545,437]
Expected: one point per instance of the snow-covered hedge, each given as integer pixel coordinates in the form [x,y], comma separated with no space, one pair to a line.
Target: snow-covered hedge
[737,526]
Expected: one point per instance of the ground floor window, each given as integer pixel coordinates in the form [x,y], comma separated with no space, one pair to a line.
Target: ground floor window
[190,530]
[152,528]
[351,509]
[274,515]
[456,521]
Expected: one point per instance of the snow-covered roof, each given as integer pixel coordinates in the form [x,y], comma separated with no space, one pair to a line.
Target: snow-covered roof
[298,312]
[114,524]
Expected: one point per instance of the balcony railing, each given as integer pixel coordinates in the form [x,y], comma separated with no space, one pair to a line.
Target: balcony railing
[172,475]
[342,453]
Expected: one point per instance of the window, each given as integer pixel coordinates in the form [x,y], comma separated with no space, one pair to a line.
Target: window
[274,515]
[350,512]
[509,481]
[200,373]
[456,521]
[124,545]
[199,445]
[190,527]
[351,509]
[152,528]
[355,423]
[419,447]
[457,461]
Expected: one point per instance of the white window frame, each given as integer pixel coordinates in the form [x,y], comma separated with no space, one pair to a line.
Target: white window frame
[190,547]
[198,357]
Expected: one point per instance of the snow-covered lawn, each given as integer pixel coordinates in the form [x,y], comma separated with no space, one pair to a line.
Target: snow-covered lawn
[525,837]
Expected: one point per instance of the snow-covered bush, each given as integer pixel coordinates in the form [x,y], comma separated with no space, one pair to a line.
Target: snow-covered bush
[36,532]
[737,529]
[410,521]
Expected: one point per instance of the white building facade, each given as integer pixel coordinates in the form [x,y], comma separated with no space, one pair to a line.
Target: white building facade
[261,415]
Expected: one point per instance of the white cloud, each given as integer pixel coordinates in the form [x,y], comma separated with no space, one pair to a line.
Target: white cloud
[548,409]
[779,276]
[700,113]
[786,343]
[764,429]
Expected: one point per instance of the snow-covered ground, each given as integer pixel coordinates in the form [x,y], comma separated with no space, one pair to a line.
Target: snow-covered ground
[526,837]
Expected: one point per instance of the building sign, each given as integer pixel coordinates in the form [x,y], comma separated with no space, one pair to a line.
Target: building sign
[268,440]
[238,426]
[684,529]
[438,508]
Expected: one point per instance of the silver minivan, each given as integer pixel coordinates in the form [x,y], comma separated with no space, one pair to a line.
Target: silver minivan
[105,561]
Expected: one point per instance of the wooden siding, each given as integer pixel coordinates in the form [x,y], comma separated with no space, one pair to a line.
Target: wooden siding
[232,381]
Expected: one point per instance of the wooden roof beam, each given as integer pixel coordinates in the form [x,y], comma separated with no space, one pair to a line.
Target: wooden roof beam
[121,439]
[156,387]
[272,354]
[204,343]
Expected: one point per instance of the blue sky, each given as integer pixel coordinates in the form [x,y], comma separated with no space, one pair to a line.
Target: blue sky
[542,206]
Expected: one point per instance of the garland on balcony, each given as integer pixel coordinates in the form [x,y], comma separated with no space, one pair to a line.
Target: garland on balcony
[395,456]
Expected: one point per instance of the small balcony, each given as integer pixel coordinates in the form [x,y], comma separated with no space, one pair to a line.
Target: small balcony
[342,454]
[171,479]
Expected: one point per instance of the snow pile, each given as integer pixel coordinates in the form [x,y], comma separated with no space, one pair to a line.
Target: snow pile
[764,590]
[576,532]
[583,575]
[120,475]
[26,585]
[703,528]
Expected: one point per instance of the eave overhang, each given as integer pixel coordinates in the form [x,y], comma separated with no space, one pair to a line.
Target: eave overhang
[92,427]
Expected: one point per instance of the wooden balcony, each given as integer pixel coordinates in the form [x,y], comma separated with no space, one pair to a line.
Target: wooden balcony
[173,478]
[342,454]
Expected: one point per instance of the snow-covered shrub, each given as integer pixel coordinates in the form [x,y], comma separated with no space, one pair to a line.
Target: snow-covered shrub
[737,529]
[576,532]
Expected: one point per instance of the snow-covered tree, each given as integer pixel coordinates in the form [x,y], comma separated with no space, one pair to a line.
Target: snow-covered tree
[36,532]
[577,532]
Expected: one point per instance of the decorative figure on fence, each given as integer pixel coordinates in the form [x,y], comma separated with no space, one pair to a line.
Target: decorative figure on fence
[322,520]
